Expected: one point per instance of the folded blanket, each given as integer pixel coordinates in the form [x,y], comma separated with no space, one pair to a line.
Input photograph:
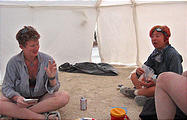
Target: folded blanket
[89,68]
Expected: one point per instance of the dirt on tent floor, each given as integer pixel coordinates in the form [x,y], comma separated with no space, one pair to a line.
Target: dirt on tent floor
[101,94]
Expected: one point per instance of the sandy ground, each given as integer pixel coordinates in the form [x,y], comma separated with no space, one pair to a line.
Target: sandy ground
[101,94]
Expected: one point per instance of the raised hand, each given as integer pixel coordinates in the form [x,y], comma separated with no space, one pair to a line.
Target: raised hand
[51,69]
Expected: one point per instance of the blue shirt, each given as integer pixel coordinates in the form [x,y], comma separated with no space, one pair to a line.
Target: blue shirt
[16,79]
[165,60]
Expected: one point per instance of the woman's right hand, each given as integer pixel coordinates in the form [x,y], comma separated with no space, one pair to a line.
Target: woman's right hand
[139,71]
[20,102]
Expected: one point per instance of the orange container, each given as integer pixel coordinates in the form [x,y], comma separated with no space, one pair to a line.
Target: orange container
[117,114]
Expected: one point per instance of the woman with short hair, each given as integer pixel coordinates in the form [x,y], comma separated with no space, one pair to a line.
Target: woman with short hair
[31,75]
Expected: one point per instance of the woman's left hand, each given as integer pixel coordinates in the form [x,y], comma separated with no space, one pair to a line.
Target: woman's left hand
[51,69]
[148,83]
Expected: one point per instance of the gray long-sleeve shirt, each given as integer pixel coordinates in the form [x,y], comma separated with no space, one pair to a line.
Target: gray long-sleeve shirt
[16,79]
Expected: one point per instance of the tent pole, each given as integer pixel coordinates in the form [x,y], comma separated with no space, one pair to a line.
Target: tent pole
[136,32]
[97,6]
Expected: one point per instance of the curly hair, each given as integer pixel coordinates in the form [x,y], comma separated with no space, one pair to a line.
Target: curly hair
[26,34]
[163,29]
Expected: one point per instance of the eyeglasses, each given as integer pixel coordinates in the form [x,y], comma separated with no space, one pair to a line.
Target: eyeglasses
[160,30]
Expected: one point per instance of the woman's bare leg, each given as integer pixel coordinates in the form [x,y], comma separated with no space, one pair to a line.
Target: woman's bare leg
[171,89]
[148,92]
[50,102]
[10,109]
[184,74]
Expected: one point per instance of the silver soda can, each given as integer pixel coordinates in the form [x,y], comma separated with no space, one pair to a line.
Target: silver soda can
[83,103]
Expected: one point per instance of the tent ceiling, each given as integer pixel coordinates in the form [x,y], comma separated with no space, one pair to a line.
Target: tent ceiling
[86,3]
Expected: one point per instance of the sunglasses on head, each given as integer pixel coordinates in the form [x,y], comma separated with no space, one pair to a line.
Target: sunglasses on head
[24,30]
[160,30]
[27,29]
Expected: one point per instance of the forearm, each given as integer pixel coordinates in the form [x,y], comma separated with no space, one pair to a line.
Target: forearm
[52,85]
[135,81]
[53,82]
[14,98]
[148,92]
[9,92]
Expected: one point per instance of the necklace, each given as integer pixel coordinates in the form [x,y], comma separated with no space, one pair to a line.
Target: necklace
[31,63]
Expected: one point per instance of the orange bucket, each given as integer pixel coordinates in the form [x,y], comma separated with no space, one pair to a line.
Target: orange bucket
[117,114]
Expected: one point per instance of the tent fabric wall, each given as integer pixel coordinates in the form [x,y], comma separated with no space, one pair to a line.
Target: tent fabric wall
[67,29]
[9,22]
[117,35]
[66,34]
[172,15]
[116,30]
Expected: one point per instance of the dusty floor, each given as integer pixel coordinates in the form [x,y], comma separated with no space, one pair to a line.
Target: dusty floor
[101,94]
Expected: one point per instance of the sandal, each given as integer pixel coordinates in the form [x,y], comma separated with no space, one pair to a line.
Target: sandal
[129,92]
[55,114]
[119,86]
[4,117]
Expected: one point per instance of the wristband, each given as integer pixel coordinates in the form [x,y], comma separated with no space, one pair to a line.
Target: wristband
[137,75]
[51,78]
[136,92]
[154,77]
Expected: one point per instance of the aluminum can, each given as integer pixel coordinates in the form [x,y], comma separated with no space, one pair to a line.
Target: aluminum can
[83,103]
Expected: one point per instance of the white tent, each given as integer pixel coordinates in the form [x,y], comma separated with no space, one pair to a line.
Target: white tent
[67,28]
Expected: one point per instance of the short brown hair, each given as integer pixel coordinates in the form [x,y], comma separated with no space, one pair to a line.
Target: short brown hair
[25,34]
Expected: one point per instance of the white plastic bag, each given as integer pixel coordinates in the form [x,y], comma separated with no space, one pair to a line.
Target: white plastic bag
[148,72]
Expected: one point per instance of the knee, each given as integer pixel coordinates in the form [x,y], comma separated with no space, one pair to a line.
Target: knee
[162,78]
[184,74]
[63,98]
[66,97]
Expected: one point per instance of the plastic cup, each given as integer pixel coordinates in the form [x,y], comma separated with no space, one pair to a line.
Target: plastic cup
[117,114]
